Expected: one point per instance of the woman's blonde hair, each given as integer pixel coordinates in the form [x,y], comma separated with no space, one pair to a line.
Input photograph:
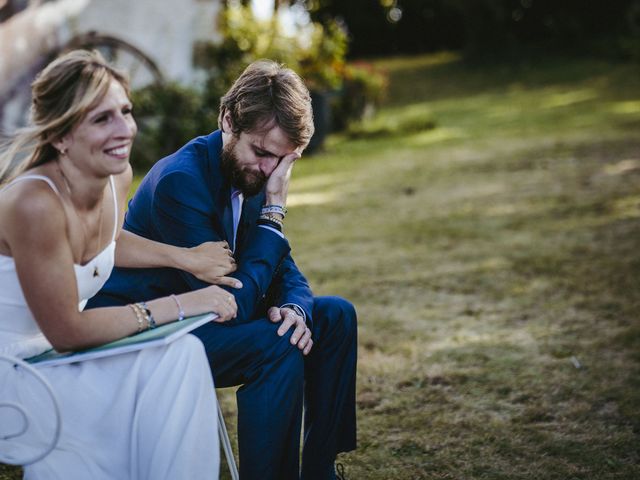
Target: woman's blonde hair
[61,96]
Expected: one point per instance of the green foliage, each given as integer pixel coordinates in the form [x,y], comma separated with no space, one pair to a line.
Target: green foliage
[168,115]
[322,62]
[364,89]
[315,51]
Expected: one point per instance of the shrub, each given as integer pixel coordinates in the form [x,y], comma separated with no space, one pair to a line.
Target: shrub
[364,88]
[168,115]
[322,62]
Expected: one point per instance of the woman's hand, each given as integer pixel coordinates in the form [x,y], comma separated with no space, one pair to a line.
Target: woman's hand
[210,299]
[222,303]
[210,262]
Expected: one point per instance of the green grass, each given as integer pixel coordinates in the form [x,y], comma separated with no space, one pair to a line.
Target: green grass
[486,223]
[487,258]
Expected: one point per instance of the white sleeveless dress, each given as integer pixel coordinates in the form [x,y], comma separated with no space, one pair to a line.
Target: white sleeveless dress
[142,415]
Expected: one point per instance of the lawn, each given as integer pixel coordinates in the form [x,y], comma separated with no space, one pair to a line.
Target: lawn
[495,264]
[486,224]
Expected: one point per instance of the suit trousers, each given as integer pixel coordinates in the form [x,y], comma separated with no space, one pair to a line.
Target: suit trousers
[276,380]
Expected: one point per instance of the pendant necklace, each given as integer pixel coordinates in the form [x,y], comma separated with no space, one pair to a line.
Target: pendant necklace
[96,271]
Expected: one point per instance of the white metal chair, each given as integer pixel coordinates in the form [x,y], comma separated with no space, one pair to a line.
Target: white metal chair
[23,421]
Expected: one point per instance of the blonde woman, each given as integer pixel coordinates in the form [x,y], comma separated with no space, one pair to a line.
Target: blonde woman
[143,415]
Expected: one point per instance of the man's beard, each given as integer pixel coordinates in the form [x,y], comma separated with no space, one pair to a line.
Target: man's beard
[250,183]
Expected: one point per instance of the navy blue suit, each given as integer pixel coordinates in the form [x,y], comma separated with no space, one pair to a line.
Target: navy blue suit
[184,200]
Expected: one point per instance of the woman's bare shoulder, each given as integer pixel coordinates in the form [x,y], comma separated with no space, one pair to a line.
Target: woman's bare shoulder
[28,209]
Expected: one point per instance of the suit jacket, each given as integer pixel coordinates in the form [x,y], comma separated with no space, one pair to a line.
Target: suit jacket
[184,200]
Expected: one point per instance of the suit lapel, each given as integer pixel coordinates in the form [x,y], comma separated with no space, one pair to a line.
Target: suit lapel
[227,217]
[220,187]
[250,213]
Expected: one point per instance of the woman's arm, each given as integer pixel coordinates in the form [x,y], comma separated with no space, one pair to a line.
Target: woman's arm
[36,231]
[209,262]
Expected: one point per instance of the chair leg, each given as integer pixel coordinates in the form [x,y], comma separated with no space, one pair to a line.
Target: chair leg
[226,445]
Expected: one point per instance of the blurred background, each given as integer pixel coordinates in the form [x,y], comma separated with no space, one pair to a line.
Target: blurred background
[182,58]
[473,187]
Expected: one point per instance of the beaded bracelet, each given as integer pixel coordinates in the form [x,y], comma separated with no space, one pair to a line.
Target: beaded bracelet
[151,322]
[274,209]
[139,316]
[180,310]
[271,218]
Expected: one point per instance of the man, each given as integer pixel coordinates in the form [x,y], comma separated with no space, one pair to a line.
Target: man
[232,186]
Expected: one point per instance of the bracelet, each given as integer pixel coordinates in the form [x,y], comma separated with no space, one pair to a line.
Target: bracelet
[180,310]
[271,218]
[270,224]
[151,322]
[274,209]
[139,316]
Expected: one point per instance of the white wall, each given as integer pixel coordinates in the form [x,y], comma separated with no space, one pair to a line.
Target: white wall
[165,30]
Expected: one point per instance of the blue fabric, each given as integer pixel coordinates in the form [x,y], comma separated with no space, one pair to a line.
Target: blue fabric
[184,200]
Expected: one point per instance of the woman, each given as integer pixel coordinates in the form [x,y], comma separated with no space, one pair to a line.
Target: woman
[148,414]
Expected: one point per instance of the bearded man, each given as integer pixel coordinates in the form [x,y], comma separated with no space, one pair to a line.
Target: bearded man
[286,347]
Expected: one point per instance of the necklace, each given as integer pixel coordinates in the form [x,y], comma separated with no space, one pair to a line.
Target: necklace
[96,271]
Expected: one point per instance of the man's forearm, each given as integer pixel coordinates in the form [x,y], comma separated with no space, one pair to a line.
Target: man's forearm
[257,266]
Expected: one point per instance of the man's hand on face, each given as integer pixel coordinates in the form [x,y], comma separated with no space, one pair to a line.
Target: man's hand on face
[278,183]
[301,335]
